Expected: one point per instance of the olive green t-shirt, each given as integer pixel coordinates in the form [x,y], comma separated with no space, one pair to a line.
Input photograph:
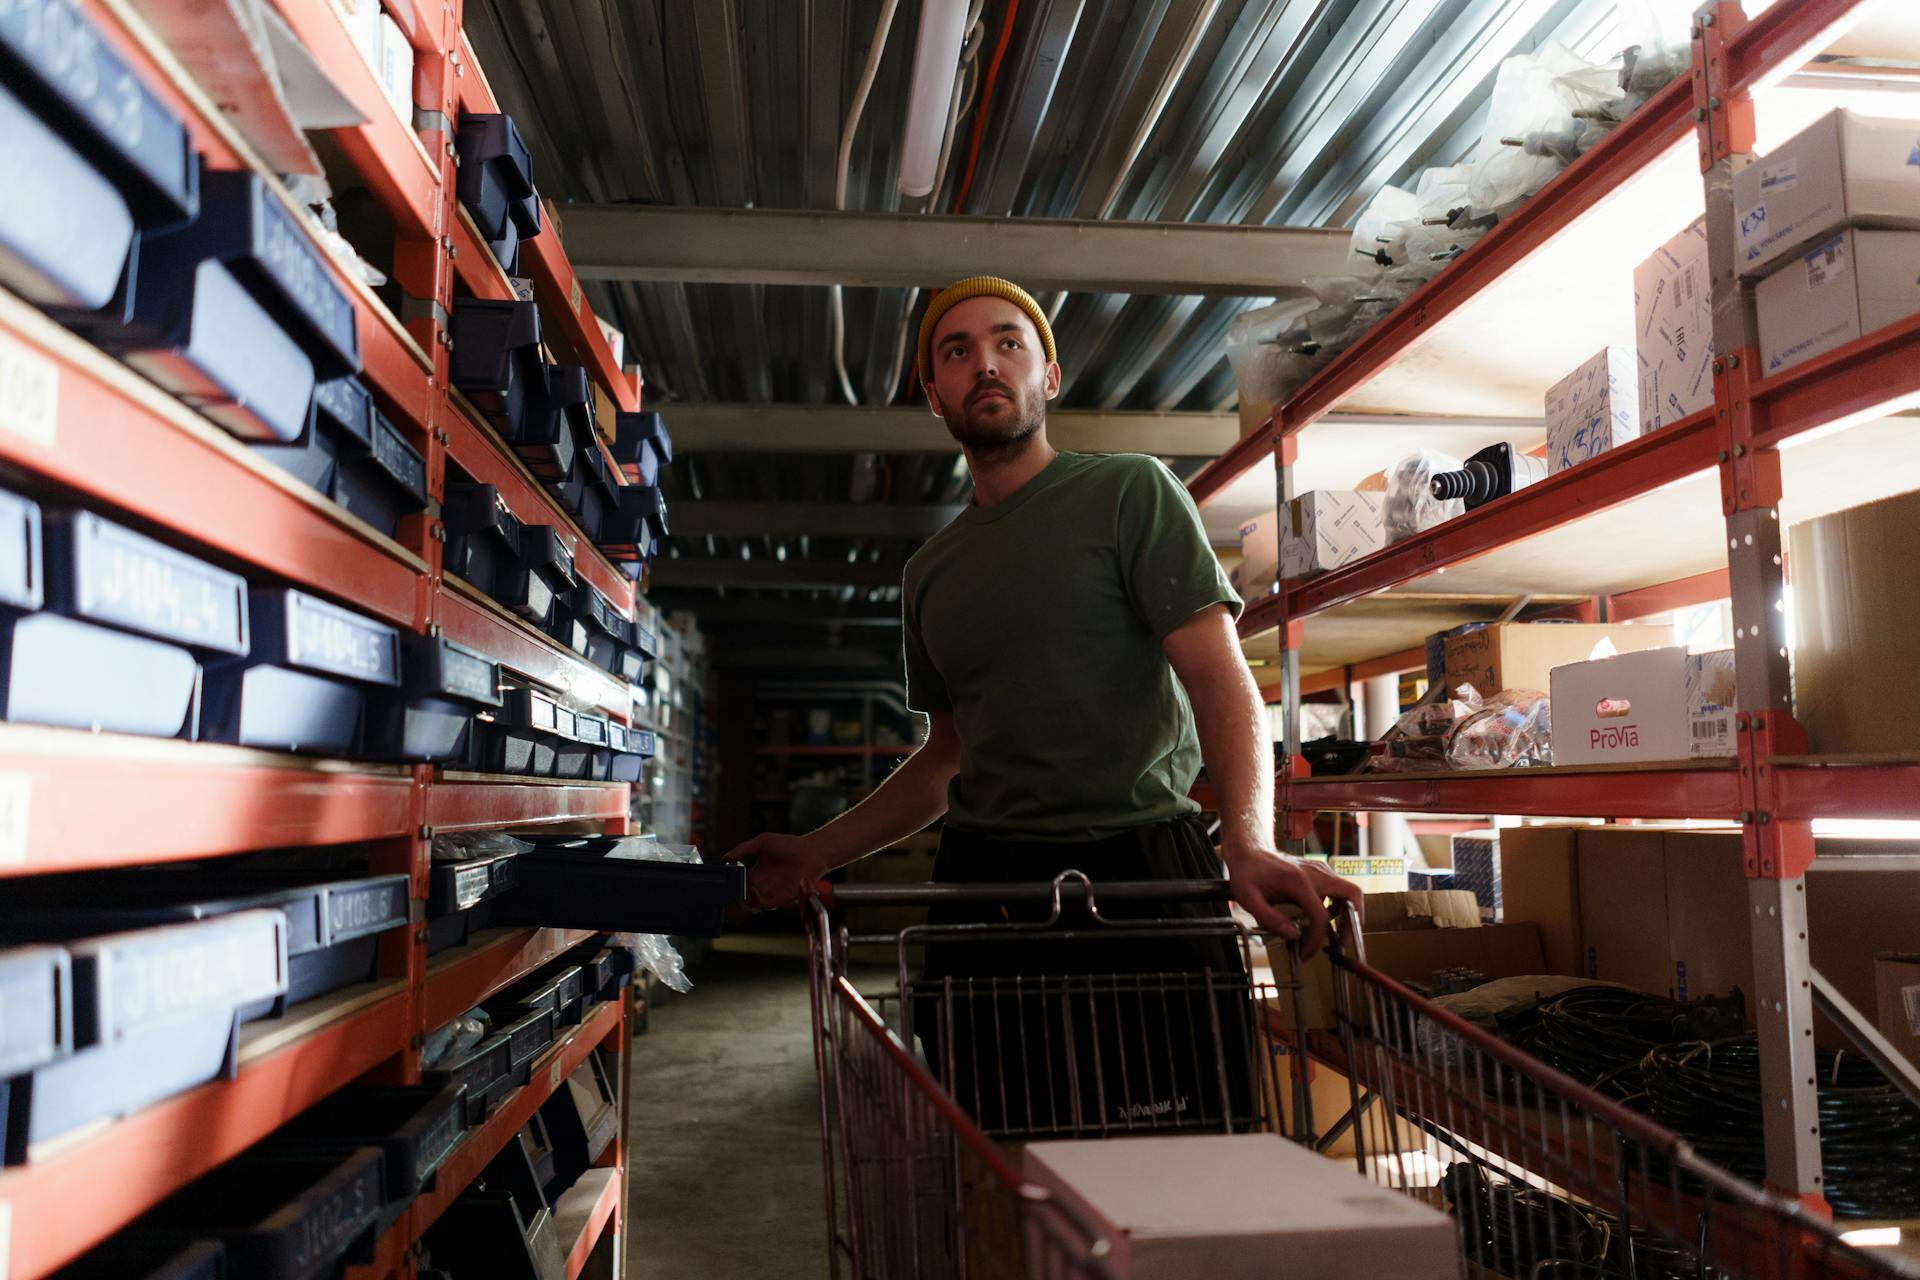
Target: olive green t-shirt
[1037,623]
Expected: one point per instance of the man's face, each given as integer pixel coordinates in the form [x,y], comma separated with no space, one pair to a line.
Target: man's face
[991,375]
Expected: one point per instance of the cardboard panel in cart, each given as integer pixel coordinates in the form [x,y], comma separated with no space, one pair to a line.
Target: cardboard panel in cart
[1230,1206]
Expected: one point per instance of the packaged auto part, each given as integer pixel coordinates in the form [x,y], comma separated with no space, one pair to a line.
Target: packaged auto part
[1494,472]
[1410,505]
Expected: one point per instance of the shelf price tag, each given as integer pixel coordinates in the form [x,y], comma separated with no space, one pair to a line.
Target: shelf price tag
[29,395]
[16,794]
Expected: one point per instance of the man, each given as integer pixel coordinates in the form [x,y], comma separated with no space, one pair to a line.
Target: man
[1070,637]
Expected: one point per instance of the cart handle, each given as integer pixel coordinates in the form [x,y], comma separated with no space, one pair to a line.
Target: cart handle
[1069,887]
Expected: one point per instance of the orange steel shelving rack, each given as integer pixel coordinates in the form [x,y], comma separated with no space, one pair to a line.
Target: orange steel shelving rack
[70,800]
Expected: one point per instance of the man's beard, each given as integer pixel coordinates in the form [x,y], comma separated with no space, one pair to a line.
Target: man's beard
[1001,426]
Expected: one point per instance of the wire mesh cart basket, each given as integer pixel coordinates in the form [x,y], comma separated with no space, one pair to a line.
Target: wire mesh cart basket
[1074,1011]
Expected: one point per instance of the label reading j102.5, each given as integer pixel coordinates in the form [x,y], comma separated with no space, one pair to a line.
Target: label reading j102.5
[334,640]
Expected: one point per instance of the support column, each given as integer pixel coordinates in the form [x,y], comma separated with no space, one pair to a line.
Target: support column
[1387,835]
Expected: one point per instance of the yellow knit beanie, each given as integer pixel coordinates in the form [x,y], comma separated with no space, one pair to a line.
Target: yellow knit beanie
[978,287]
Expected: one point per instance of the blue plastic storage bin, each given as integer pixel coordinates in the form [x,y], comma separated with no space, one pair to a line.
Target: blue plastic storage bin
[156,1011]
[74,675]
[430,717]
[482,535]
[385,485]
[295,629]
[495,357]
[36,1009]
[65,231]
[546,551]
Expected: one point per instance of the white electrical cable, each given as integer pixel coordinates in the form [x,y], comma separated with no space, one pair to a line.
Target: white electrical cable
[844,162]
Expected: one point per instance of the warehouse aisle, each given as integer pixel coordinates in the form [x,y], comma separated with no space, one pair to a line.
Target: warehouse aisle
[724,1137]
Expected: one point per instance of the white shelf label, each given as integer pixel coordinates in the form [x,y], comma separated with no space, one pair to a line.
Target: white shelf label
[29,396]
[16,796]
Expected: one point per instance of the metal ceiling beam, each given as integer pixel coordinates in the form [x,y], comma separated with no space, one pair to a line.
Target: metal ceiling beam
[815,519]
[788,611]
[797,575]
[900,250]
[792,428]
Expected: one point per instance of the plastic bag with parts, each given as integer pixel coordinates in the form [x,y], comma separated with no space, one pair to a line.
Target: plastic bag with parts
[1263,349]
[1417,742]
[1512,729]
[465,846]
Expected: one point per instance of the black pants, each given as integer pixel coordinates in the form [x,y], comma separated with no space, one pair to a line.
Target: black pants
[1096,1035]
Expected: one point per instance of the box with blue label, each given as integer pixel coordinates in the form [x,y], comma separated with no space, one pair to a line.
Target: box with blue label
[301,688]
[1673,324]
[1593,409]
[156,1011]
[117,645]
[1843,170]
[1841,289]
[238,313]
[333,926]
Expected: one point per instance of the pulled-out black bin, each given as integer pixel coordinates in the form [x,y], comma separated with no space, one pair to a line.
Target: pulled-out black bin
[598,882]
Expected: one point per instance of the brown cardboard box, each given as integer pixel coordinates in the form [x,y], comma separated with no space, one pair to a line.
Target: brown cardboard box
[1623,906]
[1539,883]
[1522,655]
[1422,909]
[604,411]
[1897,978]
[1856,618]
[1709,947]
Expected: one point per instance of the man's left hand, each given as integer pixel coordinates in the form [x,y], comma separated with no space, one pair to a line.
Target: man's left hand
[1263,881]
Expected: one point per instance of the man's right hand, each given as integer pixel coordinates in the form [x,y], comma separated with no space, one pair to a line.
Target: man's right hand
[780,868]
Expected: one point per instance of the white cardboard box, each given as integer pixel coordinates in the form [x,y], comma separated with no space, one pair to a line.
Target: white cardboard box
[1844,169]
[1327,528]
[1841,289]
[362,21]
[1673,321]
[1657,704]
[1255,577]
[1593,409]
[1236,1207]
[395,69]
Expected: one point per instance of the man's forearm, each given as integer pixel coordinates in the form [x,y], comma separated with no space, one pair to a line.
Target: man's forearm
[906,802]
[1237,744]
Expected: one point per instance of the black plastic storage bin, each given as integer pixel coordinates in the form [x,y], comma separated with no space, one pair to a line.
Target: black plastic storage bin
[582,1118]
[546,551]
[566,627]
[524,593]
[496,358]
[339,426]
[482,535]
[560,987]
[547,440]
[607,627]
[489,140]
[609,970]
[460,897]
[333,926]
[384,482]
[528,1033]
[476,1071]
[301,689]
[414,1129]
[280,1217]
[596,735]
[238,312]
[522,738]
[597,882]
[122,1259]
[572,757]
[635,524]
[443,685]
[641,445]
[483,1236]
[632,748]
[140,1037]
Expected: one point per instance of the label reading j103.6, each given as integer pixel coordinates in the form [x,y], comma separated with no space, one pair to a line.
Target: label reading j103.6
[334,640]
[367,909]
[131,580]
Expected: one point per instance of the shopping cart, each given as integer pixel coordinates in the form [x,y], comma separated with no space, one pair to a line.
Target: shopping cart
[927,1087]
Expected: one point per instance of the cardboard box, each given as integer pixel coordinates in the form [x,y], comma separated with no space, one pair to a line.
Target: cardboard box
[1673,321]
[362,21]
[1373,875]
[1226,1206]
[1856,623]
[1897,980]
[1593,409]
[605,412]
[1623,906]
[394,70]
[1326,528]
[1257,575]
[1522,655]
[1844,169]
[1421,909]
[1658,704]
[1540,884]
[1842,289]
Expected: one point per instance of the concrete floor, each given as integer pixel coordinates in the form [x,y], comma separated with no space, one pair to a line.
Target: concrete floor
[724,1132]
